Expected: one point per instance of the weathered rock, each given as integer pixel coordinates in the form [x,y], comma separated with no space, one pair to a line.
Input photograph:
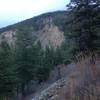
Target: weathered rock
[51,92]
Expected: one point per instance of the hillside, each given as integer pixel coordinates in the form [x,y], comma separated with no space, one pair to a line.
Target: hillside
[78,81]
[46,28]
[53,56]
[28,64]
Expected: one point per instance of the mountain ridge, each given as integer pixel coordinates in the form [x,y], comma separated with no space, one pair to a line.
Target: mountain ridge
[29,20]
[46,28]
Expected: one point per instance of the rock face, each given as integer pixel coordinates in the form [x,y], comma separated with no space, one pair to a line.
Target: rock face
[51,92]
[8,36]
[43,28]
[50,35]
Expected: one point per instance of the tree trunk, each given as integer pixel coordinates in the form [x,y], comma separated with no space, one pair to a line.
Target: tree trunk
[23,89]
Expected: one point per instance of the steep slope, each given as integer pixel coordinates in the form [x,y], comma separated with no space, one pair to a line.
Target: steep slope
[46,28]
[50,35]
[80,83]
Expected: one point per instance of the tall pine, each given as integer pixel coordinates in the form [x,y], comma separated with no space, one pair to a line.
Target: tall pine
[23,58]
[7,75]
[84,24]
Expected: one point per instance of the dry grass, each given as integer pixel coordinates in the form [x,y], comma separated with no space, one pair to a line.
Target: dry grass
[84,84]
[88,86]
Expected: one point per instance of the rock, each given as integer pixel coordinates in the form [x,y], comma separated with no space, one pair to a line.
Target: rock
[51,92]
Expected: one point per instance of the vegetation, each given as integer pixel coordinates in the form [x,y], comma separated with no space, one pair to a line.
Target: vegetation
[7,75]
[24,62]
[83,28]
[36,23]
[28,61]
[83,25]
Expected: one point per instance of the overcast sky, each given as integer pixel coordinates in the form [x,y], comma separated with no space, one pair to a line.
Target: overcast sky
[12,11]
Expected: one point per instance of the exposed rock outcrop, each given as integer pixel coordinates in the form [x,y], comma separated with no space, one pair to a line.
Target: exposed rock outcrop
[44,28]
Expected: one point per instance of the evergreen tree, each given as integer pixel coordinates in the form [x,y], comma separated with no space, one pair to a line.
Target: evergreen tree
[47,59]
[68,49]
[7,75]
[23,58]
[38,57]
[58,56]
[84,24]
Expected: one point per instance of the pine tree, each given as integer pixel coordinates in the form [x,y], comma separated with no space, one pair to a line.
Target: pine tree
[7,75]
[84,24]
[38,57]
[45,63]
[23,58]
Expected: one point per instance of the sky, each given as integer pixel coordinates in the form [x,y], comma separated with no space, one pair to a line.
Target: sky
[13,11]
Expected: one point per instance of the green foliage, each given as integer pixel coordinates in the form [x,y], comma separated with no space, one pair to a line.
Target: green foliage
[37,23]
[68,51]
[45,63]
[29,61]
[42,73]
[65,53]
[7,75]
[83,24]
[23,58]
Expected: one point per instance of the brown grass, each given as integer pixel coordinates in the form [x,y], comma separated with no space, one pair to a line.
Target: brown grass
[86,86]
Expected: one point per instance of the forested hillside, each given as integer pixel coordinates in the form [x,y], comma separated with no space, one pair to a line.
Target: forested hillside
[32,49]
